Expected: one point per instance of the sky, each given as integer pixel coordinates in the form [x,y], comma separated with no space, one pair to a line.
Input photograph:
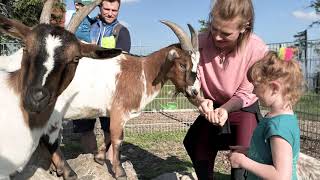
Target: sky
[275,20]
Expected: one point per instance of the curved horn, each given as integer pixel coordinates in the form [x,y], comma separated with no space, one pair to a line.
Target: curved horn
[80,15]
[194,37]
[46,12]
[182,35]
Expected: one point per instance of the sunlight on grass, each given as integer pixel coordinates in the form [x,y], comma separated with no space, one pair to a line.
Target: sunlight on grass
[163,152]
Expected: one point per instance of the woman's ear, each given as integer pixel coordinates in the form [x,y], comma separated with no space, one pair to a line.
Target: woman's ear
[245,27]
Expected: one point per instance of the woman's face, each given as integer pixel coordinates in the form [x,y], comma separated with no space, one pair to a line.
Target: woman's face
[225,33]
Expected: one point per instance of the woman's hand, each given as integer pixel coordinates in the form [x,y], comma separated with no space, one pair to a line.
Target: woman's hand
[220,116]
[206,106]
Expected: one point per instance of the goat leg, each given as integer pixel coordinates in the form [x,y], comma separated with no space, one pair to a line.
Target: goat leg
[100,157]
[116,141]
[120,174]
[61,165]
[117,123]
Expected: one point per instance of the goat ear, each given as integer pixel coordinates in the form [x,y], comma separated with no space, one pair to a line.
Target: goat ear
[96,52]
[13,28]
[165,67]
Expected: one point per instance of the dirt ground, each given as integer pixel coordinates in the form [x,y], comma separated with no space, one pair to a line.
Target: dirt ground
[162,155]
[165,154]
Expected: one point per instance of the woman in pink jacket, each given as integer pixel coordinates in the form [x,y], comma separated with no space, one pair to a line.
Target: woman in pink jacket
[229,109]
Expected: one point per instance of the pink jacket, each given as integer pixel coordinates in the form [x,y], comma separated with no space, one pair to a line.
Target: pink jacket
[224,81]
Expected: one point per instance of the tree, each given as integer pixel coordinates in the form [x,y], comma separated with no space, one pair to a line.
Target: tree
[203,25]
[27,11]
[316,5]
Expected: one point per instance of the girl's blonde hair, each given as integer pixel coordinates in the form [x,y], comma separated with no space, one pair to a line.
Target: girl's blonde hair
[289,73]
[230,9]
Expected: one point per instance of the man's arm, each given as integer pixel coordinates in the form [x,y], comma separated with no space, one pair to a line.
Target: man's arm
[124,40]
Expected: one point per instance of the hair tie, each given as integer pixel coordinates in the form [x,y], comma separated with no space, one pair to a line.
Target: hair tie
[286,54]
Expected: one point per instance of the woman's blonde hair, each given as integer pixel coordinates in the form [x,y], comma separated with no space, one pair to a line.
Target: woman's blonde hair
[230,9]
[287,72]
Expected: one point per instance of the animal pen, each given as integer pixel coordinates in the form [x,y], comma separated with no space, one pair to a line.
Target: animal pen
[166,113]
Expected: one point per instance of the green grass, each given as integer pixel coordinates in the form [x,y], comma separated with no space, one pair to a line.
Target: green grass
[309,103]
[156,153]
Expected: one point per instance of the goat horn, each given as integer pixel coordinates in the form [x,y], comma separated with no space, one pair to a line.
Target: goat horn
[194,37]
[80,15]
[46,12]
[182,35]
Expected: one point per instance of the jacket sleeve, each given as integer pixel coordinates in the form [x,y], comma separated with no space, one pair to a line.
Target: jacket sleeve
[94,32]
[124,40]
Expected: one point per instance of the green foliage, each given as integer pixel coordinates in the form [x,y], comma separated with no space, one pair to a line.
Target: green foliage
[27,11]
[316,5]
[203,25]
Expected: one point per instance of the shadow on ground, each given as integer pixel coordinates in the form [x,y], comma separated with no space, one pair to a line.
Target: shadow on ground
[146,164]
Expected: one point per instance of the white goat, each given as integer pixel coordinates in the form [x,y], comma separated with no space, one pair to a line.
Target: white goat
[28,95]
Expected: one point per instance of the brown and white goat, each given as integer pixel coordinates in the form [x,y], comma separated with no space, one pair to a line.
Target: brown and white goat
[28,95]
[126,84]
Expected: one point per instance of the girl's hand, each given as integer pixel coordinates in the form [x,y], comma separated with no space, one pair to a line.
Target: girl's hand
[239,149]
[236,159]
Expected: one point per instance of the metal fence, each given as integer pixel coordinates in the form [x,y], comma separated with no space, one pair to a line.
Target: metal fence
[307,109]
[167,114]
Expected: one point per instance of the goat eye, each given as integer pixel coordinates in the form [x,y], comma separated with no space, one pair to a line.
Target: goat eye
[76,59]
[183,67]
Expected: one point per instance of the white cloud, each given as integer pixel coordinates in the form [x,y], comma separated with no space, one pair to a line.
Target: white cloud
[129,1]
[310,16]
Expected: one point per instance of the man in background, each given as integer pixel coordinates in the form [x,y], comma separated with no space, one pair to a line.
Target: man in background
[106,32]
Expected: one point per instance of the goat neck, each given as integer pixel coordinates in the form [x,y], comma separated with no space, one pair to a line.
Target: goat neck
[156,66]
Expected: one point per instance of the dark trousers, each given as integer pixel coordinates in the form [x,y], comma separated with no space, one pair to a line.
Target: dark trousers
[204,140]
[85,125]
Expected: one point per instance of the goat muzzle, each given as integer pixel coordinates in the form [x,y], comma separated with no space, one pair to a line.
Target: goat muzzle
[36,99]
[191,91]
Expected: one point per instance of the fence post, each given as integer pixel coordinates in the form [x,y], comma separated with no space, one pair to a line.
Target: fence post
[317,88]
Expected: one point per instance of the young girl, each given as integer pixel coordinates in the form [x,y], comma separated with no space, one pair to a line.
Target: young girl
[275,144]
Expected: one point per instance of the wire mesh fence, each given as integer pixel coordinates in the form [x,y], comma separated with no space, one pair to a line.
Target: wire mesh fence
[168,112]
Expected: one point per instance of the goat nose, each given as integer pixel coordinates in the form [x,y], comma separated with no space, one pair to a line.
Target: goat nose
[39,94]
[194,92]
